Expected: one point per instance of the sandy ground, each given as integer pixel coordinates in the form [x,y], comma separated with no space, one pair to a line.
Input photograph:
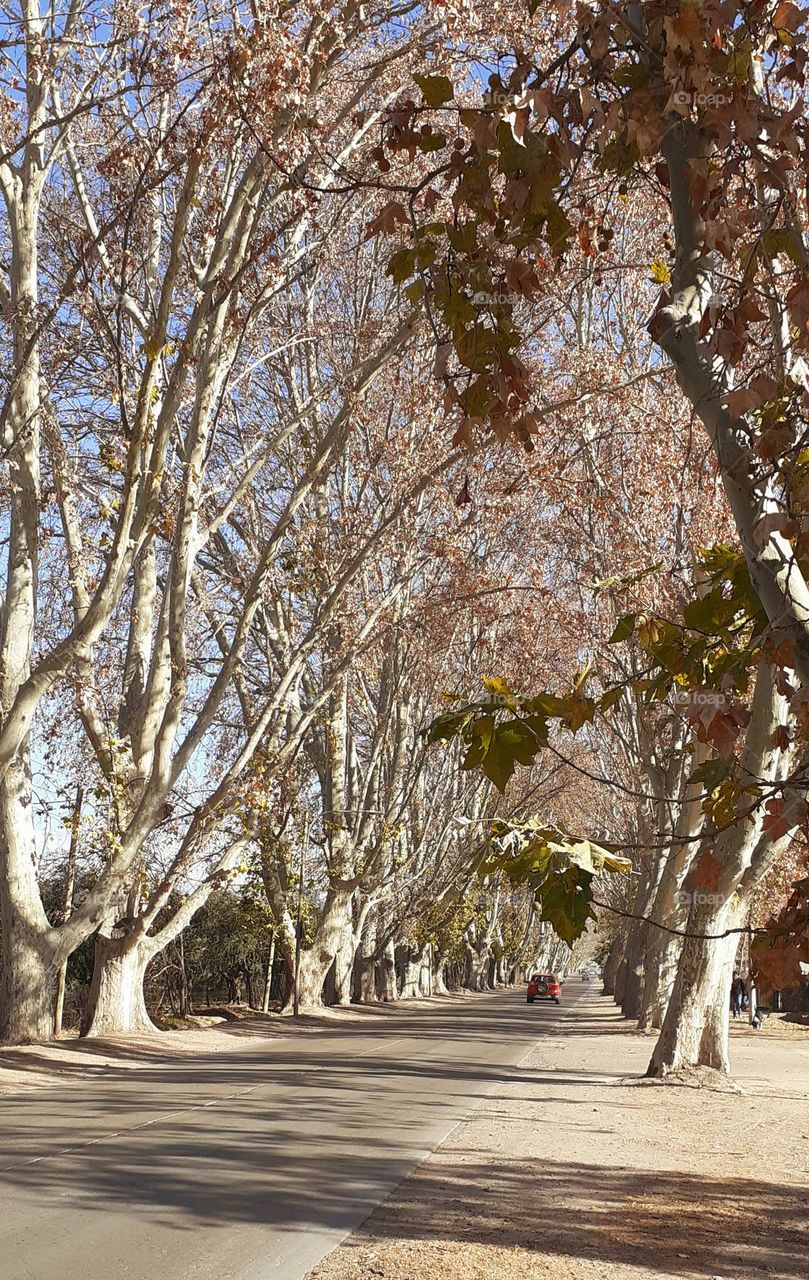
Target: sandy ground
[577,1171]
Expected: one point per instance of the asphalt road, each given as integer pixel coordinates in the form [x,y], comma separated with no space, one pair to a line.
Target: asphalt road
[251,1164]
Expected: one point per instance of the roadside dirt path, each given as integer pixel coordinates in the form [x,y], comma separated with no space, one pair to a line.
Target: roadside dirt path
[579,1172]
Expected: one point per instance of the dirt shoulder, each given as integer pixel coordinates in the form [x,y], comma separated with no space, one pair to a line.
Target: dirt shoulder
[576,1171]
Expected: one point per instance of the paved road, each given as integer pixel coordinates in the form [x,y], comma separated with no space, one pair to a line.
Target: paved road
[249,1165]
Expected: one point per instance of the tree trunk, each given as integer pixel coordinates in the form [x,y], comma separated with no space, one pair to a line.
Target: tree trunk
[331,941]
[265,1003]
[619,985]
[660,972]
[344,964]
[311,977]
[183,1001]
[366,963]
[116,1004]
[426,971]
[30,948]
[440,961]
[611,966]
[477,967]
[411,978]
[30,963]
[67,906]
[634,973]
[390,990]
[695,1028]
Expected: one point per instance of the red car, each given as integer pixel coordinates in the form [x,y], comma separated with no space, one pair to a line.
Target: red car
[544,986]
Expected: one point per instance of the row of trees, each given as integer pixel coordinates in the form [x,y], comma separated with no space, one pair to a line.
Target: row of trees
[237,572]
[253,262]
[685,121]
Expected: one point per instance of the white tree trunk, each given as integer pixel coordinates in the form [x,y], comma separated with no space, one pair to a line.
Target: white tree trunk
[30,948]
[28,972]
[477,967]
[390,989]
[411,978]
[440,962]
[695,1028]
[366,964]
[335,937]
[116,1005]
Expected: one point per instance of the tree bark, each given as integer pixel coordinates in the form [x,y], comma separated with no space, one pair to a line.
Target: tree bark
[30,947]
[390,989]
[265,1003]
[115,1004]
[28,972]
[611,966]
[366,964]
[660,972]
[695,1028]
[335,928]
[67,906]
[440,961]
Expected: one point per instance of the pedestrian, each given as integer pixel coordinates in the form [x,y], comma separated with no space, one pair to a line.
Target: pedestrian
[738,995]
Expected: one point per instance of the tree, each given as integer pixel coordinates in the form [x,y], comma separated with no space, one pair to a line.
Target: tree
[700,107]
[152,228]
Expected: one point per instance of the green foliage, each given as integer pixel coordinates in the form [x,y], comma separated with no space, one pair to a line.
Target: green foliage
[436,89]
[559,869]
[702,663]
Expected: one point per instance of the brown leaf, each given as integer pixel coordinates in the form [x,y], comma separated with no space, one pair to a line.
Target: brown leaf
[774,822]
[787,16]
[707,872]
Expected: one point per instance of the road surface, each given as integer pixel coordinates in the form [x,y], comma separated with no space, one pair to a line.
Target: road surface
[251,1164]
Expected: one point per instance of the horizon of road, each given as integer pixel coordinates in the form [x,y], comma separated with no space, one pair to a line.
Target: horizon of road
[251,1164]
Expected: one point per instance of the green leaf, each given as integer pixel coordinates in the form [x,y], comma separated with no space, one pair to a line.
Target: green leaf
[432,142]
[710,774]
[499,763]
[624,629]
[402,265]
[517,737]
[547,704]
[448,726]
[436,89]
[710,613]
[464,237]
[610,698]
[632,75]
[782,240]
[566,902]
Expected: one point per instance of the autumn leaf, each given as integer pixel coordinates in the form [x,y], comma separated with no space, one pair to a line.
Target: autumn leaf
[659,272]
[436,89]
[775,823]
[707,872]
[788,17]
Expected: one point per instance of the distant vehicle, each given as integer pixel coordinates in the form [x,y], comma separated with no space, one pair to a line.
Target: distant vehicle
[585,977]
[544,986]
